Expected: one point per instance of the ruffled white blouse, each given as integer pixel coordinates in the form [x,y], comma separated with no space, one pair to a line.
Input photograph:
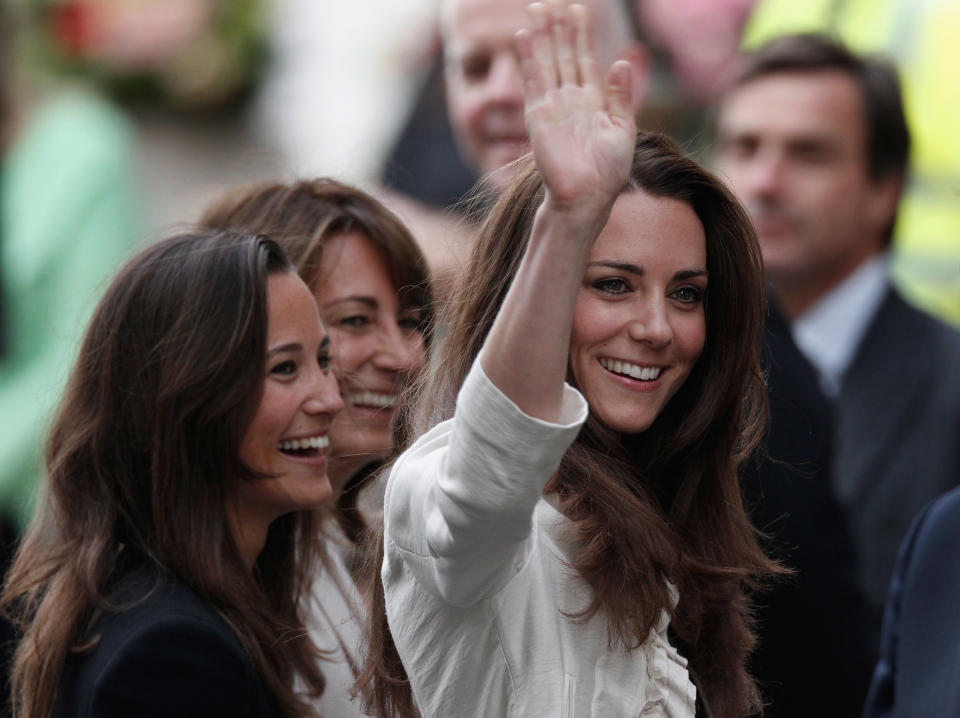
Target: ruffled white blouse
[479,588]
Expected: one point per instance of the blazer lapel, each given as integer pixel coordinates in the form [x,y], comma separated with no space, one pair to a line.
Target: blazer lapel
[878,396]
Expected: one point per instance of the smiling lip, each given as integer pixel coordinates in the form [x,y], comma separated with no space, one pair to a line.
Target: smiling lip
[371,400]
[310,450]
[637,377]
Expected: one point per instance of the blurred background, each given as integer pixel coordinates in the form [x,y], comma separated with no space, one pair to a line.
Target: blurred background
[216,92]
[122,119]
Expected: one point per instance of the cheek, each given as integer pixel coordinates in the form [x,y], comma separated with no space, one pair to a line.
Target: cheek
[417,353]
[263,432]
[586,332]
[691,336]
[348,352]
[464,107]
[594,321]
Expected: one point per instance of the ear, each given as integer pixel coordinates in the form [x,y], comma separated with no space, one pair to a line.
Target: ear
[639,60]
[881,207]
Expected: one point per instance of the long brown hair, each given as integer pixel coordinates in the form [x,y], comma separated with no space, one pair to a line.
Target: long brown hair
[142,459]
[301,217]
[660,506]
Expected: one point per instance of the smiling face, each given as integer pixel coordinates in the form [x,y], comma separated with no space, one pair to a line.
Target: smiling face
[377,345]
[483,82]
[639,324]
[288,438]
[484,88]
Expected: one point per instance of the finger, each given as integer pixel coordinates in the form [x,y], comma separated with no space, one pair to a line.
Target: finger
[563,45]
[619,93]
[529,70]
[586,57]
[542,45]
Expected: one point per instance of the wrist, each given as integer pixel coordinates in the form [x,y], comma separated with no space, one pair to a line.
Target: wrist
[586,213]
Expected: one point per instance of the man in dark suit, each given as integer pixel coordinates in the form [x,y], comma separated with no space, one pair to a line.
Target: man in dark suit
[814,141]
[813,626]
[919,669]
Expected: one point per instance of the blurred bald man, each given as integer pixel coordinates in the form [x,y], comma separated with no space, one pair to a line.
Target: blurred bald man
[484,89]
[484,96]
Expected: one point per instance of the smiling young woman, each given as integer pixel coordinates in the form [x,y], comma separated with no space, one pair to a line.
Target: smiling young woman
[175,537]
[370,282]
[568,523]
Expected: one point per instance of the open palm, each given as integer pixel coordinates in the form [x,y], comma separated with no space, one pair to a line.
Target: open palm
[582,130]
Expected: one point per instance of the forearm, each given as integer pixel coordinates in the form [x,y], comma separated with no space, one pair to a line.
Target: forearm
[525,354]
[460,501]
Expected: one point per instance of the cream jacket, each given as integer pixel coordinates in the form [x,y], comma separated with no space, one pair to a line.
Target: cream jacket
[477,578]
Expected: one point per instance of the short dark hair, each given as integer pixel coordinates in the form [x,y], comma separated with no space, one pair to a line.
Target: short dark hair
[887,133]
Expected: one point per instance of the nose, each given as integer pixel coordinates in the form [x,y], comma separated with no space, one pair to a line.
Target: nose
[399,351]
[764,176]
[504,85]
[324,395]
[651,325]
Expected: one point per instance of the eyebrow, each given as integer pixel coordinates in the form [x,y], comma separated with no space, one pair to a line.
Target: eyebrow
[295,347]
[638,270]
[286,348]
[622,266]
[367,301]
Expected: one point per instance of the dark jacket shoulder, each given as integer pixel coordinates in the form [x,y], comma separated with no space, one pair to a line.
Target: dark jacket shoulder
[919,668]
[162,651]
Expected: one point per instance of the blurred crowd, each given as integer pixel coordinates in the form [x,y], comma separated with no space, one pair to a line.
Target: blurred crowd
[834,122]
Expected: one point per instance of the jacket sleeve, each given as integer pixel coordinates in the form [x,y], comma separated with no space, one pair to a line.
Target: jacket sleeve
[881,698]
[459,503]
[180,666]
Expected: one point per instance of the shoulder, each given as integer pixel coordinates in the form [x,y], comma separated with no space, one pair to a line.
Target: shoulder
[936,532]
[900,332]
[165,652]
[927,578]
[897,310]
[916,674]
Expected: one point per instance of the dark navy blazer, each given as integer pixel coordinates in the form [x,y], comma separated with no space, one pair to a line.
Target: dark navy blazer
[169,654]
[919,669]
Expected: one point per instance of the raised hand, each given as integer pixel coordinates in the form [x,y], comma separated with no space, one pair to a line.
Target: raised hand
[581,128]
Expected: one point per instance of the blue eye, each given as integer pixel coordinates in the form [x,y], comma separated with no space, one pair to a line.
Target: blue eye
[688,295]
[612,285]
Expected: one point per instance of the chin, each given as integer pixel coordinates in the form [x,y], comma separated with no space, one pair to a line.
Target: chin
[624,424]
[628,427]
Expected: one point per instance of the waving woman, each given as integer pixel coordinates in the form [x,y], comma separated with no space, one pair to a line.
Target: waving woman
[566,536]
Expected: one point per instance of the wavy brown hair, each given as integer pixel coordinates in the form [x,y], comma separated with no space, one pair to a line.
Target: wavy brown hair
[142,459]
[301,217]
[649,508]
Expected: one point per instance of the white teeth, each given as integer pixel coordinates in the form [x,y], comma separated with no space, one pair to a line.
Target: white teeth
[368,398]
[645,373]
[313,442]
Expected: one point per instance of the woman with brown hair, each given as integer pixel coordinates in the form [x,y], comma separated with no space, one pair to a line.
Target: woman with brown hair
[566,536]
[370,282]
[163,571]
